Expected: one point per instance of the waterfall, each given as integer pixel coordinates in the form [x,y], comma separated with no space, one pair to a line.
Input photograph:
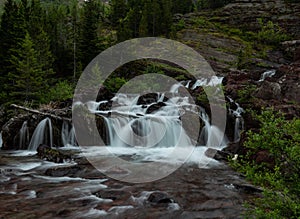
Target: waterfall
[188,84]
[24,136]
[162,128]
[68,135]
[238,128]
[1,141]
[267,74]
[239,121]
[42,135]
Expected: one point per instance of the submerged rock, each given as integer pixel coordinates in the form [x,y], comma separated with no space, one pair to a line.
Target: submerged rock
[159,198]
[217,155]
[45,152]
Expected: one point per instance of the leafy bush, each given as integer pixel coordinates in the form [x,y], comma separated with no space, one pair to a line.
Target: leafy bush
[61,91]
[280,178]
[113,84]
[270,33]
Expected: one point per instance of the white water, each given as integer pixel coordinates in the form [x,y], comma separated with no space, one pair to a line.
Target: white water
[24,136]
[267,74]
[159,135]
[1,141]
[42,135]
[214,81]
[68,135]
[239,121]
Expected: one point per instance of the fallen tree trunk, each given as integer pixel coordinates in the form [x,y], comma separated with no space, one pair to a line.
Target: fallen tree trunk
[41,113]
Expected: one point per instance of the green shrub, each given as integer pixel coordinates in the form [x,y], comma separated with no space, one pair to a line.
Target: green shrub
[61,91]
[113,84]
[281,139]
[270,33]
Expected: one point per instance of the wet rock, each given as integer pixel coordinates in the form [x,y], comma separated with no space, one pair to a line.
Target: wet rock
[102,129]
[154,107]
[10,132]
[217,155]
[232,148]
[104,94]
[247,188]
[160,198]
[147,99]
[115,195]
[72,171]
[45,152]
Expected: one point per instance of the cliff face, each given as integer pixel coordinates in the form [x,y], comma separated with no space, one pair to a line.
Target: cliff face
[244,13]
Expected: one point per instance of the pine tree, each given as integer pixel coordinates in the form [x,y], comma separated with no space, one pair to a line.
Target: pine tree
[36,18]
[118,11]
[12,32]
[58,27]
[143,28]
[29,79]
[156,18]
[88,44]
[166,17]
[182,6]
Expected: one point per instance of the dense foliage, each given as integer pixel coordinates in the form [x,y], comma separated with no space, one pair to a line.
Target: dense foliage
[43,43]
[273,161]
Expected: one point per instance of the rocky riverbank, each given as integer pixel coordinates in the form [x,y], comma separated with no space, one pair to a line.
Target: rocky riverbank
[33,188]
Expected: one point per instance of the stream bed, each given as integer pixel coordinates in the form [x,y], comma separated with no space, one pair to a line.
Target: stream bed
[33,188]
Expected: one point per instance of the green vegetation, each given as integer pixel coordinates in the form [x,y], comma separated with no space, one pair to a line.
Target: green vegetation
[270,33]
[246,94]
[45,43]
[278,173]
[62,90]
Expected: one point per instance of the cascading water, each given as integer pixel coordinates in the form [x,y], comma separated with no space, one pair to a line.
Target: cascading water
[24,136]
[239,121]
[267,74]
[214,81]
[68,135]
[136,128]
[42,135]
[1,141]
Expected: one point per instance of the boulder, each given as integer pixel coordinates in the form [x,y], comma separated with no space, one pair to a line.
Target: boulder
[217,155]
[45,152]
[269,90]
[154,107]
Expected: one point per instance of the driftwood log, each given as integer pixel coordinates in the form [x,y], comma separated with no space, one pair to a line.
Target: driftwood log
[41,113]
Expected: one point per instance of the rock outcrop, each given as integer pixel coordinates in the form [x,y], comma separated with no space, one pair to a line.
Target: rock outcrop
[244,13]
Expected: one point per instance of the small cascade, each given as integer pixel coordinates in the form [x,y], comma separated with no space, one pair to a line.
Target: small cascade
[267,74]
[239,121]
[68,135]
[214,81]
[175,87]
[238,128]
[1,141]
[188,84]
[42,135]
[161,128]
[24,136]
